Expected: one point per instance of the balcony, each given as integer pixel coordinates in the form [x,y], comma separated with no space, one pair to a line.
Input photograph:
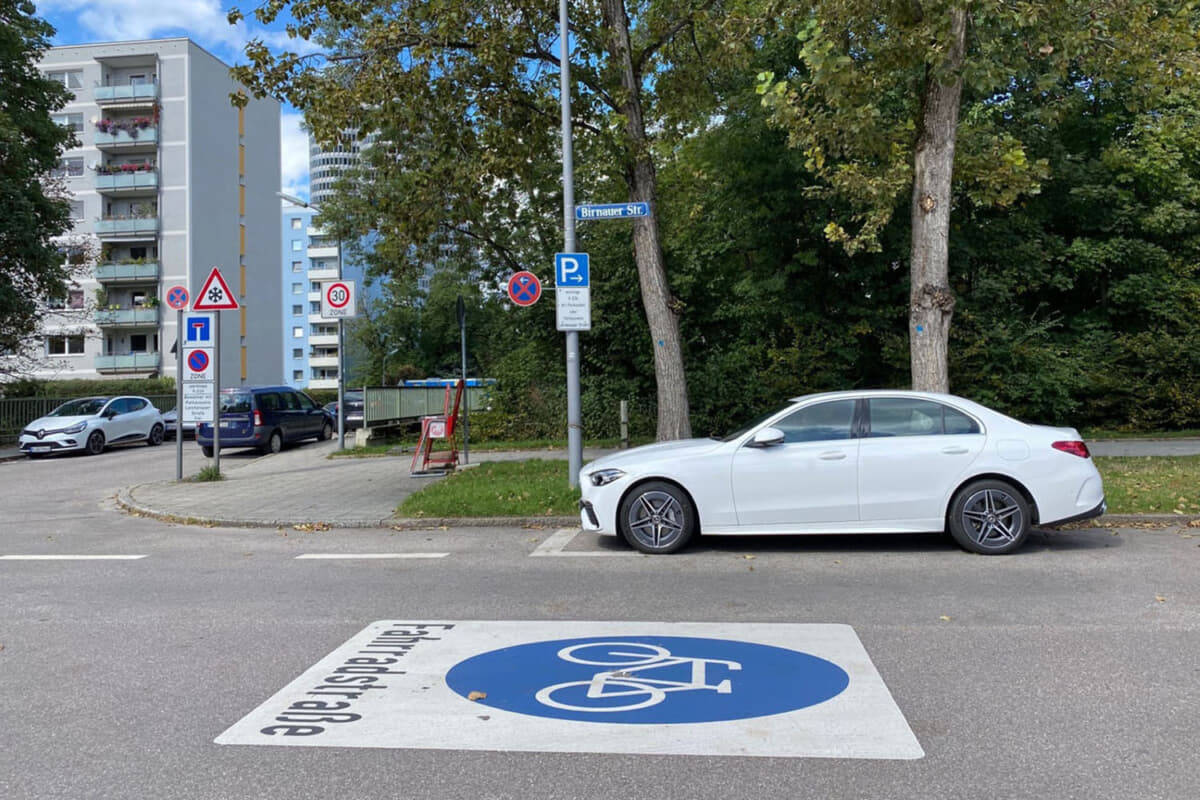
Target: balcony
[127,318]
[323,275]
[330,362]
[323,339]
[131,362]
[127,226]
[127,182]
[120,273]
[131,139]
[129,94]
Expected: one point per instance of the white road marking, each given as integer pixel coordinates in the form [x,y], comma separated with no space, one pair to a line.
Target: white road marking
[347,556]
[69,558]
[554,545]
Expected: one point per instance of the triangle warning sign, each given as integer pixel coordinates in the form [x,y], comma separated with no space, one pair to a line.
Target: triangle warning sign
[215,294]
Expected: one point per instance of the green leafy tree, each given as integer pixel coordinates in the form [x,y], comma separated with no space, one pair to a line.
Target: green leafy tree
[913,97]
[31,144]
[464,102]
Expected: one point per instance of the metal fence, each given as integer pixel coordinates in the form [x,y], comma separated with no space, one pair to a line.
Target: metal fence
[392,404]
[17,412]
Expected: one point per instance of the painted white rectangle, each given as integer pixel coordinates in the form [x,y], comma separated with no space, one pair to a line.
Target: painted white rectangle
[408,702]
[198,399]
[348,556]
[553,546]
[573,309]
[69,558]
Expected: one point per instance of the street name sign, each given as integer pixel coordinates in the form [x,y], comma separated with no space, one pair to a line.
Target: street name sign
[612,211]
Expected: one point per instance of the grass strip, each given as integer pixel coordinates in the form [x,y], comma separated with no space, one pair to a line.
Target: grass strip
[532,488]
[1151,484]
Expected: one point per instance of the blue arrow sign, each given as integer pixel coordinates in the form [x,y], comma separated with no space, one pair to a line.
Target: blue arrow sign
[613,211]
[571,270]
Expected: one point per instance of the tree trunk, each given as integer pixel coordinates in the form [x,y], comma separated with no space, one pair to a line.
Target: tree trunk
[661,312]
[931,301]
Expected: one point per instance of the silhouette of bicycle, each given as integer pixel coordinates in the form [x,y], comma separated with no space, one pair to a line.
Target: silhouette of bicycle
[633,658]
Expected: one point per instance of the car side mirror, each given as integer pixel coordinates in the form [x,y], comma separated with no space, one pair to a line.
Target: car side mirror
[767,437]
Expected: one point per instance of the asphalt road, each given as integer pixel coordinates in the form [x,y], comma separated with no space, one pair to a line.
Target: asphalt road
[1069,670]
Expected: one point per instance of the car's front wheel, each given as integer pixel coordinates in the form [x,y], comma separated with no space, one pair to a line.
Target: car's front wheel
[657,517]
[95,443]
[156,436]
[990,517]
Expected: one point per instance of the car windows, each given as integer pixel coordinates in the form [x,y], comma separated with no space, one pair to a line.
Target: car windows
[909,416]
[270,401]
[87,405]
[818,423]
[137,404]
[118,406]
[304,403]
[235,402]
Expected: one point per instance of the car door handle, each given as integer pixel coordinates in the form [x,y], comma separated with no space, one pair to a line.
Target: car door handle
[955,451]
[832,455]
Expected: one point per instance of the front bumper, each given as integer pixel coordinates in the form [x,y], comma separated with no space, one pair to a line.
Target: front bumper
[57,443]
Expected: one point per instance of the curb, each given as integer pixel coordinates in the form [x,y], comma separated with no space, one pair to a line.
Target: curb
[125,502]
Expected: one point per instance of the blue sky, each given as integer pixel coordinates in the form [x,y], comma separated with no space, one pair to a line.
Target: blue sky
[204,22]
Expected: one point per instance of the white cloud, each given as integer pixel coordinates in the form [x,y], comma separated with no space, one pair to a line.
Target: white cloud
[294,154]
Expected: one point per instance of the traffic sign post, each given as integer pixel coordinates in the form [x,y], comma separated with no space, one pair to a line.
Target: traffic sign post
[214,295]
[177,298]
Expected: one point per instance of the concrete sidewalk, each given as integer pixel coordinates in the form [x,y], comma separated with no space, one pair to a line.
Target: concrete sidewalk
[303,486]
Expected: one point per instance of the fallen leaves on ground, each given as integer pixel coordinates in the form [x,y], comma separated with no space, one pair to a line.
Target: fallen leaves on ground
[311,526]
[473,696]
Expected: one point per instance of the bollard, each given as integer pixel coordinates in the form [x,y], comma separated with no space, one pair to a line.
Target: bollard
[624,424]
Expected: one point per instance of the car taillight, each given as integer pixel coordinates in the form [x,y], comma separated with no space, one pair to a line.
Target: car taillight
[258,421]
[1074,448]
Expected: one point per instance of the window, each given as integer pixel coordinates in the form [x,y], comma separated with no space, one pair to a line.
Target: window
[297,310]
[315,286]
[297,333]
[819,423]
[72,79]
[137,343]
[297,352]
[68,168]
[72,122]
[75,298]
[297,288]
[76,210]
[297,374]
[297,266]
[297,245]
[906,416]
[297,223]
[306,403]
[137,252]
[64,345]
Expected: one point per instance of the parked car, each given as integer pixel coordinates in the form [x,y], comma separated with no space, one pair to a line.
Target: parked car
[354,409]
[850,462]
[266,417]
[92,424]
[171,420]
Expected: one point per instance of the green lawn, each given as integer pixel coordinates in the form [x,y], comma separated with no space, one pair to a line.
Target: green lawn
[1141,485]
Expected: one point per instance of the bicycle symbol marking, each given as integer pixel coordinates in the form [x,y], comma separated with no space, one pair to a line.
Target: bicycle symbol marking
[627,681]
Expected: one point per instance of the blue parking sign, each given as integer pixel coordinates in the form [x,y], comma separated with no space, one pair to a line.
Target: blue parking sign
[571,270]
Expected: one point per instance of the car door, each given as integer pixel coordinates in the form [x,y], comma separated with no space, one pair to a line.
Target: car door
[314,417]
[913,452]
[120,425]
[142,416]
[811,477]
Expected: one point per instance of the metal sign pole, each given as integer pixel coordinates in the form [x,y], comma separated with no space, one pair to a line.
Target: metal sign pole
[216,406]
[462,335]
[179,394]
[574,425]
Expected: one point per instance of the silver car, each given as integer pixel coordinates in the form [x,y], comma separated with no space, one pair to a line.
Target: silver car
[92,424]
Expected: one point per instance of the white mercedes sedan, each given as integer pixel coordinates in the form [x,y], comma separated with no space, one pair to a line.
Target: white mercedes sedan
[850,462]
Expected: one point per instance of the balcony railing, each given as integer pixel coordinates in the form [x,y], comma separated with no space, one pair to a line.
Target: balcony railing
[127,226]
[128,93]
[147,137]
[126,181]
[114,273]
[128,363]
[127,317]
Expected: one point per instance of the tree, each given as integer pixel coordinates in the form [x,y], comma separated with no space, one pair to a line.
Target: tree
[915,96]
[32,266]
[464,101]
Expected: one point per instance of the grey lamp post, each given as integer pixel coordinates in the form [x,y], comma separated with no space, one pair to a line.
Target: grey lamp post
[341,376]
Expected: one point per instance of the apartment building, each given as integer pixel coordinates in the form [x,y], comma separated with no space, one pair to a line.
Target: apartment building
[168,181]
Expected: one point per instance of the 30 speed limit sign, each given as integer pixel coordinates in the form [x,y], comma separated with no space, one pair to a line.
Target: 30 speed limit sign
[337,299]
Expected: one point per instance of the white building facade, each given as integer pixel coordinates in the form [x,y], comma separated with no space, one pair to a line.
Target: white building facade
[169,180]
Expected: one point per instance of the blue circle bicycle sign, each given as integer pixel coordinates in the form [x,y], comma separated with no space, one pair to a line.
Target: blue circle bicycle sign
[647,679]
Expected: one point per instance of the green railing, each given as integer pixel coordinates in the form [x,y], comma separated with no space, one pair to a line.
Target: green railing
[131,362]
[126,180]
[117,94]
[112,226]
[127,316]
[125,138]
[387,405]
[126,272]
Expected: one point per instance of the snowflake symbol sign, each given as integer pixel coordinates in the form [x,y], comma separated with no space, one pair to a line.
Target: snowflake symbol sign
[215,295]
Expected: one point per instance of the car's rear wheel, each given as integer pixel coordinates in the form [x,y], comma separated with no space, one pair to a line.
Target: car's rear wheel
[326,431]
[275,443]
[657,517]
[207,450]
[990,517]
[156,436]
[95,443]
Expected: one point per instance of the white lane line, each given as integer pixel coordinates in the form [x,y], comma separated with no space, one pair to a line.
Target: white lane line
[346,556]
[70,558]
[554,545]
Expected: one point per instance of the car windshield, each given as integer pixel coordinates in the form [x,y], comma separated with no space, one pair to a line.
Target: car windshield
[742,431]
[79,408]
[235,402]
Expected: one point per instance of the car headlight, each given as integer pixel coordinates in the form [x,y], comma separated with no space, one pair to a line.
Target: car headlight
[604,476]
[77,428]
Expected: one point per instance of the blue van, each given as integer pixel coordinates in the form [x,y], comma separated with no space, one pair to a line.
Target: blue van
[266,417]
